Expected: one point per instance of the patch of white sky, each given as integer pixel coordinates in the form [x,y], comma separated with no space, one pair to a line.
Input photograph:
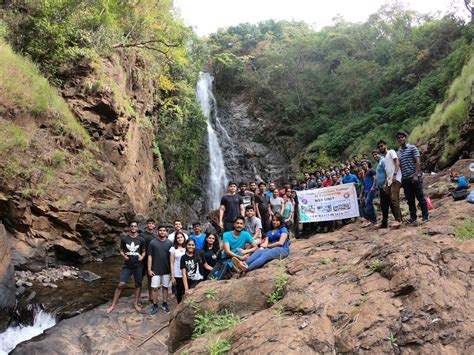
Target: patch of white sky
[206,16]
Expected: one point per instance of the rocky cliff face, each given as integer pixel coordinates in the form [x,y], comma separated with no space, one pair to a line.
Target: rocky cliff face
[7,279]
[254,148]
[115,102]
[75,206]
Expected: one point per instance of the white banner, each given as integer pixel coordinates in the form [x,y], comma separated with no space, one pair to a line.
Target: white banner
[328,203]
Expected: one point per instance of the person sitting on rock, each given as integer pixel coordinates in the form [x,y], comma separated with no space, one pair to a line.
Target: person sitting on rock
[210,253]
[132,250]
[276,246]
[235,242]
[253,224]
[460,180]
[191,266]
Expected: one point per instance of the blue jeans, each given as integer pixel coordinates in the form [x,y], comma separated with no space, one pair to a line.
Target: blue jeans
[368,207]
[263,256]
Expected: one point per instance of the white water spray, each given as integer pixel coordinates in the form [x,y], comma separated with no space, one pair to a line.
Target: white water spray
[217,182]
[15,335]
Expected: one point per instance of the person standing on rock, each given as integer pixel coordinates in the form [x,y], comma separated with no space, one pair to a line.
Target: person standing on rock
[192,267]
[148,234]
[393,182]
[178,227]
[232,206]
[159,268]
[412,177]
[381,178]
[132,250]
[176,252]
[367,195]
[262,204]
[253,187]
[198,236]
[247,196]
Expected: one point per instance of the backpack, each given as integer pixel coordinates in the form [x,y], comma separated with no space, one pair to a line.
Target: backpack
[222,270]
[470,197]
[460,195]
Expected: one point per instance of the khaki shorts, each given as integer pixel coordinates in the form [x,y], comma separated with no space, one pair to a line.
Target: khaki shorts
[158,281]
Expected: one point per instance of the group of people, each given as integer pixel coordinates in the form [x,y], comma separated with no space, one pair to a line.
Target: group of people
[256,223]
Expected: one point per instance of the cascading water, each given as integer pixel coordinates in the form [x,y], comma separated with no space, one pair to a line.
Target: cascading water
[15,335]
[217,182]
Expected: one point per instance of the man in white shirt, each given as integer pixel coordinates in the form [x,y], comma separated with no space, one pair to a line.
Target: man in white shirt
[178,227]
[393,182]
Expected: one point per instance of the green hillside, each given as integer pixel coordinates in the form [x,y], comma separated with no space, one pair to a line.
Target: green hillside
[339,89]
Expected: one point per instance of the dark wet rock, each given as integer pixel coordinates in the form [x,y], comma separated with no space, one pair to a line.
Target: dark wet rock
[7,279]
[253,149]
[88,276]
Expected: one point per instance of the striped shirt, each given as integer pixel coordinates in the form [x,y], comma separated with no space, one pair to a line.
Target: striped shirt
[407,157]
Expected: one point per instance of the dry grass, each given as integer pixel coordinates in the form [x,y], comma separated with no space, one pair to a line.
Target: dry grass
[21,85]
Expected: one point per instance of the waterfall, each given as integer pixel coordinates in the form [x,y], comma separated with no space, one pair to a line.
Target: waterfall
[217,182]
[15,335]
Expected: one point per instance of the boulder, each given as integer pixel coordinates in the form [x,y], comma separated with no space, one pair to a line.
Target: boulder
[88,276]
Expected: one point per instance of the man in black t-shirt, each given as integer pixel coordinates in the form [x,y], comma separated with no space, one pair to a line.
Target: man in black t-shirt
[132,250]
[262,203]
[148,235]
[159,268]
[232,206]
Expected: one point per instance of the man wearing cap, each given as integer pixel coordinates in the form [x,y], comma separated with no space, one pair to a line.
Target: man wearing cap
[412,177]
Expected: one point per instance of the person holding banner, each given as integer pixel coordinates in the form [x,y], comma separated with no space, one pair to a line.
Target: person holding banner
[276,246]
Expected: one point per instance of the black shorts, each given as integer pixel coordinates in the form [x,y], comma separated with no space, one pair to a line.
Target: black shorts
[137,273]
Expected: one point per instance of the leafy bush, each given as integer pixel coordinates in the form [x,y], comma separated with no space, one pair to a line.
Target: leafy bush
[212,322]
[280,284]
[219,346]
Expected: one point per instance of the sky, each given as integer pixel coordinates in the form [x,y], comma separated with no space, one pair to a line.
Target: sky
[206,16]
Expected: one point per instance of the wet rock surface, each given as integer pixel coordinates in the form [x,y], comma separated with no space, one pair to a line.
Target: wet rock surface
[252,147]
[124,331]
[7,280]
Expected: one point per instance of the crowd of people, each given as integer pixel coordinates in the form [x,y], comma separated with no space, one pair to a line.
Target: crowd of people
[256,220]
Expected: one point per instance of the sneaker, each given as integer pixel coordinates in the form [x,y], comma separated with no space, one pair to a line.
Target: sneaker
[154,310]
[165,308]
[411,222]
[395,225]
[367,224]
[425,219]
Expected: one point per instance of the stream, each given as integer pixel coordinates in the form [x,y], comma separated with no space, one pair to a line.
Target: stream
[72,297]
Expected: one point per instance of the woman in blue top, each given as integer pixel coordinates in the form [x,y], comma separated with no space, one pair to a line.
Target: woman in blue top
[275,246]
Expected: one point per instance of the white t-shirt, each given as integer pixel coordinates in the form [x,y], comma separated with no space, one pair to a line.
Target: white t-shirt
[178,253]
[171,236]
[390,167]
